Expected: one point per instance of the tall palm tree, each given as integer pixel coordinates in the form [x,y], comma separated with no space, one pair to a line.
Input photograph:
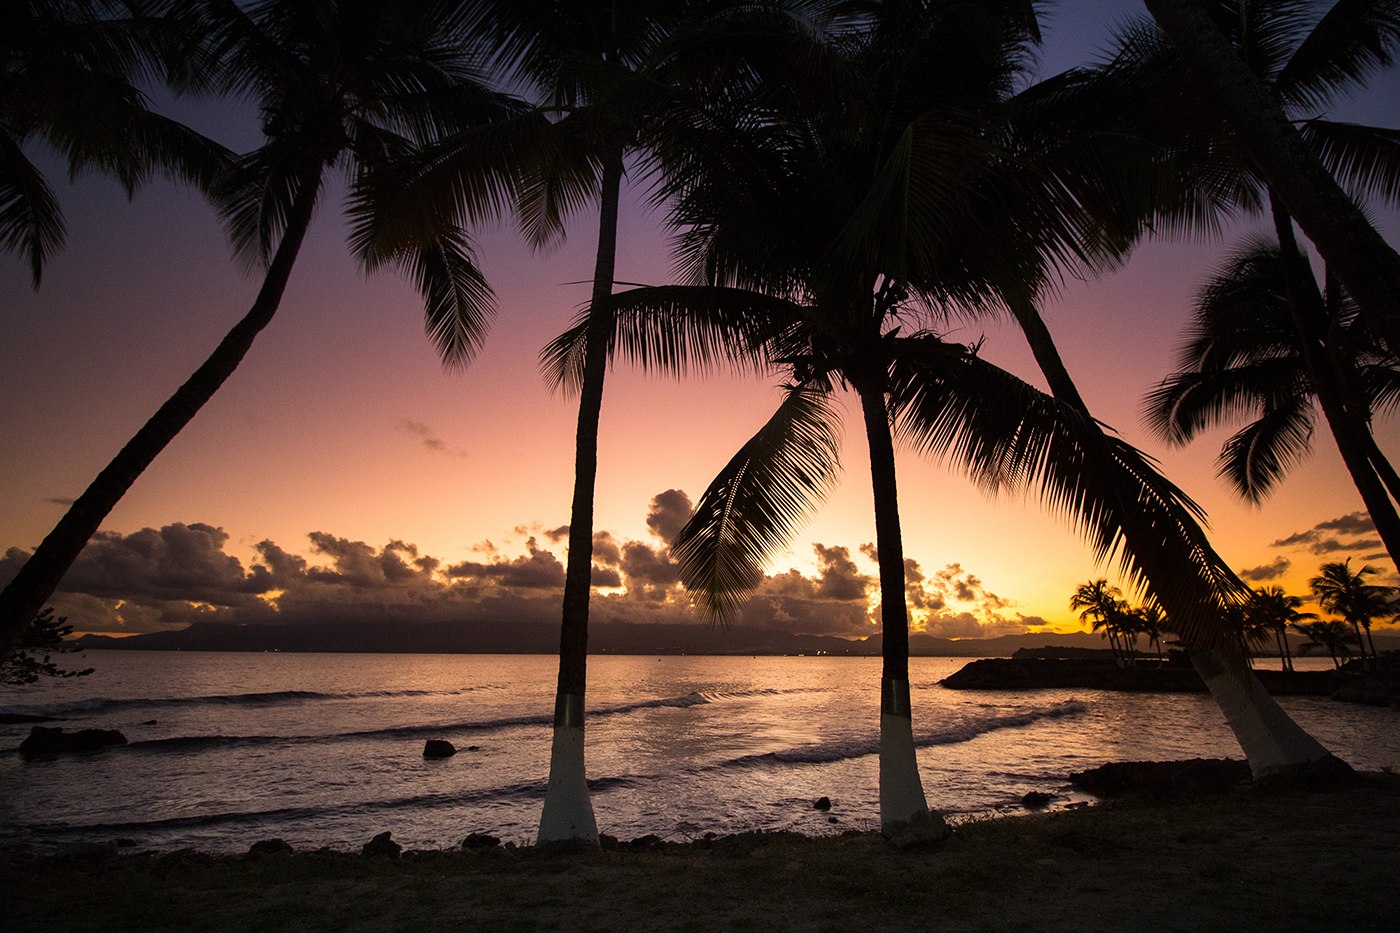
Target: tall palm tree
[1348,594]
[354,85]
[1331,636]
[72,80]
[617,78]
[1243,357]
[824,234]
[1305,56]
[1358,38]
[1271,613]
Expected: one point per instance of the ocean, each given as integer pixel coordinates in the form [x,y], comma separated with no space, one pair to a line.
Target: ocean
[226,749]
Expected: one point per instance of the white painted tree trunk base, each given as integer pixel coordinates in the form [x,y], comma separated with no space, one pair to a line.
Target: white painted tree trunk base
[1273,744]
[568,811]
[904,812]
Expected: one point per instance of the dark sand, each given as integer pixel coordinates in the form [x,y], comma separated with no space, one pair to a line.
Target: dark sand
[1247,860]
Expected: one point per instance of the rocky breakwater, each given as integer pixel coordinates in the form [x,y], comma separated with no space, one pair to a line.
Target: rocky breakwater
[1147,676]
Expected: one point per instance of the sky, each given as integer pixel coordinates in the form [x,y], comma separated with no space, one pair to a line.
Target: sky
[342,471]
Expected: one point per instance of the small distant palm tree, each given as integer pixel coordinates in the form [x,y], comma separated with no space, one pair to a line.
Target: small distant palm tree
[1349,595]
[1151,621]
[1103,607]
[1270,614]
[352,86]
[1331,636]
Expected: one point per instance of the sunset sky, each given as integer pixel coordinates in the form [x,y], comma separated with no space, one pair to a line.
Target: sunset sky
[342,441]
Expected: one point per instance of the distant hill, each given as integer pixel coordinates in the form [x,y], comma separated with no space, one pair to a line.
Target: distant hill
[604,638]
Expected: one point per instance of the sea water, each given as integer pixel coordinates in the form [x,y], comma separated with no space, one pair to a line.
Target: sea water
[326,749]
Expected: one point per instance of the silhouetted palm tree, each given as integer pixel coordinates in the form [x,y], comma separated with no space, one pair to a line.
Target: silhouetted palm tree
[353,85]
[1243,359]
[1103,607]
[618,79]
[72,80]
[1349,595]
[1349,42]
[825,234]
[1331,636]
[1305,57]
[1270,614]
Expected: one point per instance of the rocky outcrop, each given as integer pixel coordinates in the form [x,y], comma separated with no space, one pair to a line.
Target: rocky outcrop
[1031,673]
[1163,780]
[381,846]
[44,740]
[438,748]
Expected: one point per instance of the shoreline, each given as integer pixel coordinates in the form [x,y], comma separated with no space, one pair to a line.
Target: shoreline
[1287,860]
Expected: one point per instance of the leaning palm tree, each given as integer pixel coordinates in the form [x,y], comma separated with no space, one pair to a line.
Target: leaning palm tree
[1304,55]
[1244,358]
[349,85]
[1350,42]
[1348,594]
[72,80]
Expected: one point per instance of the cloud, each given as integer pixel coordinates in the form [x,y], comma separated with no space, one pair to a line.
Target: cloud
[1265,572]
[430,440]
[1328,537]
[157,579]
[58,500]
[668,513]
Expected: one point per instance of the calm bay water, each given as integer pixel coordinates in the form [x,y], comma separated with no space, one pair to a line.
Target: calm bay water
[326,749]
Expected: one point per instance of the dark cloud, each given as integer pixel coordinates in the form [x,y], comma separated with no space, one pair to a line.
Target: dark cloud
[538,569]
[1265,572]
[838,577]
[606,550]
[58,500]
[668,513]
[430,440]
[1330,537]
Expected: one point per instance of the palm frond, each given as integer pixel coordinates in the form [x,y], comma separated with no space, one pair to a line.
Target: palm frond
[678,330]
[757,501]
[1255,458]
[1007,435]
[31,221]
[1352,41]
[1364,158]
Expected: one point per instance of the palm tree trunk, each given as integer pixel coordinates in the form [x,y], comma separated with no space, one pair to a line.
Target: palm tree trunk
[1272,743]
[902,802]
[1351,246]
[568,811]
[1349,427]
[25,595]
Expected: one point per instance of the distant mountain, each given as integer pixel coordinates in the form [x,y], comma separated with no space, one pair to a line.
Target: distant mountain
[604,638]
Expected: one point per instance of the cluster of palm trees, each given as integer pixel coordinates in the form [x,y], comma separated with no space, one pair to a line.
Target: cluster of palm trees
[1102,606]
[843,176]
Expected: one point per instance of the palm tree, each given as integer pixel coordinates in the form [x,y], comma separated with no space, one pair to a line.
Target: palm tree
[616,79]
[1243,357]
[1103,607]
[1270,613]
[342,85]
[1331,635]
[823,234]
[1349,595]
[1305,60]
[71,80]
[1350,42]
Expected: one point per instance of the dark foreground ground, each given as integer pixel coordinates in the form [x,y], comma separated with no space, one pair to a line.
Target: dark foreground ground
[1243,860]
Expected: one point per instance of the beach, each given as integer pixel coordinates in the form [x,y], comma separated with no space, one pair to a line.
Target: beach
[1278,860]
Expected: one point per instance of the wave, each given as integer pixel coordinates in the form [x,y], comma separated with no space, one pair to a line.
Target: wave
[826,753]
[271,698]
[196,743]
